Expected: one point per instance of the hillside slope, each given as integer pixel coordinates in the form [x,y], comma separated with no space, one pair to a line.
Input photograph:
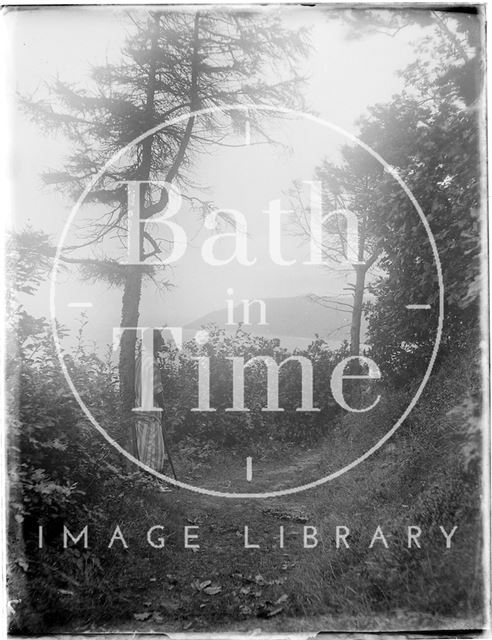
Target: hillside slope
[298,316]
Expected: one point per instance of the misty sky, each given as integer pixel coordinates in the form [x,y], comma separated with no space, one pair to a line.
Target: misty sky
[344,77]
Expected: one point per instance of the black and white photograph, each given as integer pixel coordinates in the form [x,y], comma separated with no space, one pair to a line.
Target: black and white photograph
[246,363]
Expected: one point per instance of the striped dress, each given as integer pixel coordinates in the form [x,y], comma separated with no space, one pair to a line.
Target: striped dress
[150,441]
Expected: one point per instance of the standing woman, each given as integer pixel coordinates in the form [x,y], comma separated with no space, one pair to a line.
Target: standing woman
[150,441]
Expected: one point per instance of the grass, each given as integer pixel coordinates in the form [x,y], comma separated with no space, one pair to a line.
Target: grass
[418,478]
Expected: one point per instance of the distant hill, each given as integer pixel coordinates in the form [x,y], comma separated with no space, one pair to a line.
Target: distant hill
[295,317]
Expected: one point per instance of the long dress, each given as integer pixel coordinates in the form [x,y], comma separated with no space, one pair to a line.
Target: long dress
[150,441]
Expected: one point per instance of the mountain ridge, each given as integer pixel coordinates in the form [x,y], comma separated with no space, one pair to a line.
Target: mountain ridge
[295,316]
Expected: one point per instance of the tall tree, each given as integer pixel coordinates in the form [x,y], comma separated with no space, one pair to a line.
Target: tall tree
[351,185]
[430,135]
[176,62]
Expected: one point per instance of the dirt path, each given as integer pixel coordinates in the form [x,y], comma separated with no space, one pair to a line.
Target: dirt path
[241,554]
[252,571]
[249,550]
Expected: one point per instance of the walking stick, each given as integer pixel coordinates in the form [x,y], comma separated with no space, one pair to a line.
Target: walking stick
[166,448]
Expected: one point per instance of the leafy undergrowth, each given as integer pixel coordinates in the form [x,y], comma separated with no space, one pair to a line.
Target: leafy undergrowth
[426,475]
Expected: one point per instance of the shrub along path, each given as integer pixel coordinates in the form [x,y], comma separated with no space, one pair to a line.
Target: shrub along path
[222,585]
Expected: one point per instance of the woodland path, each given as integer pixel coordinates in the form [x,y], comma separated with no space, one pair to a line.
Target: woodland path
[223,587]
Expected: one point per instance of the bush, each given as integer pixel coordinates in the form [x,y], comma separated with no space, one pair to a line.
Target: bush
[62,472]
[408,484]
[254,428]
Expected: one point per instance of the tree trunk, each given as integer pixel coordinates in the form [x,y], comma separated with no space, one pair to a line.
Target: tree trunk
[355,327]
[133,284]
[129,318]
[355,391]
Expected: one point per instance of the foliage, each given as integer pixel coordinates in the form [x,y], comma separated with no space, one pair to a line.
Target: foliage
[28,260]
[254,428]
[61,471]
[407,484]
[174,62]
[429,136]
